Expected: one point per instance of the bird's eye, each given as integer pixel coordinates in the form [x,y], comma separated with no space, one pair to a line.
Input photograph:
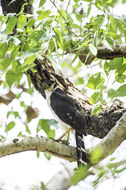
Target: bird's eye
[49,84]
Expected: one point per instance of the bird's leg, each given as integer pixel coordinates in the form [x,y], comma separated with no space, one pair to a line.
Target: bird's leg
[68,137]
[59,139]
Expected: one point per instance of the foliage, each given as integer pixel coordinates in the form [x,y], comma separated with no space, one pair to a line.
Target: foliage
[57,29]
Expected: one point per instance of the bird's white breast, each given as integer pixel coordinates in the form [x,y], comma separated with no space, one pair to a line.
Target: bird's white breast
[48,94]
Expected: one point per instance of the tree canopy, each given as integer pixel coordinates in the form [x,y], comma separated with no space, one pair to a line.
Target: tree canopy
[81,45]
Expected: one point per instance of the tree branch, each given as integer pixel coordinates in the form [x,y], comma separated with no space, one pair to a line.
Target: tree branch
[41,144]
[109,143]
[97,125]
[106,147]
[102,53]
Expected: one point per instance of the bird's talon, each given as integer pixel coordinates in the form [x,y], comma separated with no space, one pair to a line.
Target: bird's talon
[65,142]
[59,140]
[56,140]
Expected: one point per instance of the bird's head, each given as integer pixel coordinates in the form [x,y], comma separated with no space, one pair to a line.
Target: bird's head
[49,85]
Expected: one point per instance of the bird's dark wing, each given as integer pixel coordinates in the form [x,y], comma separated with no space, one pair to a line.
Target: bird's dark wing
[68,111]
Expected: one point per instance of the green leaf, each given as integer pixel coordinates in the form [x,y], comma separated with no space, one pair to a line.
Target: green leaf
[113,23]
[45,124]
[11,23]
[11,77]
[47,23]
[112,93]
[120,78]
[30,24]
[115,63]
[80,80]
[4,63]
[38,154]
[88,0]
[3,49]
[107,44]
[52,122]
[37,35]
[48,156]
[89,9]
[96,81]
[121,91]
[96,109]
[43,186]
[93,49]
[123,1]
[28,62]
[42,2]
[30,54]
[51,45]
[15,51]
[94,97]
[22,19]
[10,126]
[15,113]
[43,14]
[121,69]
[60,38]
[79,175]
[27,129]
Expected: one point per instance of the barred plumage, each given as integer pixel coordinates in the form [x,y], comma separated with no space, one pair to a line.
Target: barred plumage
[69,114]
[81,151]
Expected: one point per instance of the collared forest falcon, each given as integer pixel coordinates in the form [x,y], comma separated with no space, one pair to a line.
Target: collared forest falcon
[68,113]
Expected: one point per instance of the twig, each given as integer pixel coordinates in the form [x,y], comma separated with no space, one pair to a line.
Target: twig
[67,5]
[58,9]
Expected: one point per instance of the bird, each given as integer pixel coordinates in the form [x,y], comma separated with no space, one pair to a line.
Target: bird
[69,114]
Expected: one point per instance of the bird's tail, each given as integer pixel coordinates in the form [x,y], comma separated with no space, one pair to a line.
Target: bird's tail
[81,151]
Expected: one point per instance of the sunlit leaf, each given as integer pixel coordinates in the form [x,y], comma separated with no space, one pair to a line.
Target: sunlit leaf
[11,23]
[121,91]
[94,97]
[22,19]
[96,81]
[60,38]
[93,49]
[11,77]
[42,2]
[96,109]
[45,124]
[115,63]
[3,49]
[43,14]
[112,93]
[107,44]
[48,156]
[27,129]
[4,63]
[113,23]
[79,175]
[9,126]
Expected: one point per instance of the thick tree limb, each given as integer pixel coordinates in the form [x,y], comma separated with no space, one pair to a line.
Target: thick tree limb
[109,143]
[98,125]
[102,53]
[106,147]
[41,144]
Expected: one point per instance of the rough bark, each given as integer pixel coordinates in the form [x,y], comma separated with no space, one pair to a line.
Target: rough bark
[98,125]
[14,7]
[41,144]
[102,53]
